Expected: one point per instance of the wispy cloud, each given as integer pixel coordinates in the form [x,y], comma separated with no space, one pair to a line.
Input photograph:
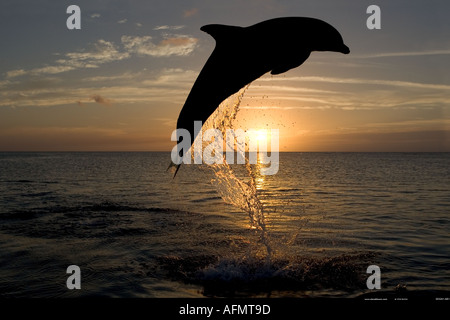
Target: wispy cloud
[360,81]
[364,101]
[169,85]
[39,71]
[173,77]
[15,73]
[103,51]
[348,93]
[273,108]
[4,83]
[52,69]
[406,54]
[124,76]
[122,21]
[290,89]
[166,27]
[410,124]
[173,84]
[177,45]
[95,15]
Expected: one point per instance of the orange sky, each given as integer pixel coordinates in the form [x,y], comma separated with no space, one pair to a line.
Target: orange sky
[119,83]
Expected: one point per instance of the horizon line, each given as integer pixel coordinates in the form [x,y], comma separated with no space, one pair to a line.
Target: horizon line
[165,151]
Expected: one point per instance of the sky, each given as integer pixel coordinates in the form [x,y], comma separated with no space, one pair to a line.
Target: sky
[119,83]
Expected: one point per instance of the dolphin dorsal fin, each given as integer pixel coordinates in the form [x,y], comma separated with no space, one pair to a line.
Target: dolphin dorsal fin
[220,31]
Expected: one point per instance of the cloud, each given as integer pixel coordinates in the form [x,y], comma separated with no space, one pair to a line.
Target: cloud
[395,83]
[101,100]
[39,71]
[173,84]
[190,13]
[410,124]
[15,73]
[169,85]
[292,89]
[165,27]
[407,54]
[348,93]
[4,83]
[51,70]
[102,52]
[122,21]
[95,15]
[180,45]
[271,108]
[67,96]
[124,76]
[138,24]
[173,77]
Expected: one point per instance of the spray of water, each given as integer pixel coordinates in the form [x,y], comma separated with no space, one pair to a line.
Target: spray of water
[238,191]
[279,269]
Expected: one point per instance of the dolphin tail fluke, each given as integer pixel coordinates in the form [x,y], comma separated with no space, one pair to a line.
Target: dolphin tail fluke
[176,169]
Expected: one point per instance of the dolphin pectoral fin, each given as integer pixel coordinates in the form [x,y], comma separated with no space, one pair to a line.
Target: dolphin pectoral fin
[281,68]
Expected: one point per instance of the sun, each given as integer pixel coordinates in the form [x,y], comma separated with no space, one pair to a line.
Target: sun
[262,139]
[260,136]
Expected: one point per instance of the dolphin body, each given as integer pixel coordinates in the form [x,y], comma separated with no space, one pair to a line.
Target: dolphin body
[243,54]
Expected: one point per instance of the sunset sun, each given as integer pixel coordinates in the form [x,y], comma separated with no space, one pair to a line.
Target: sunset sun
[261,136]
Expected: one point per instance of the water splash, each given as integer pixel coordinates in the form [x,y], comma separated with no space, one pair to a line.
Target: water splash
[238,191]
[283,277]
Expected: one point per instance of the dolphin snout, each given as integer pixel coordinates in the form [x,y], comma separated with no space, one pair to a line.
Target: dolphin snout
[344,49]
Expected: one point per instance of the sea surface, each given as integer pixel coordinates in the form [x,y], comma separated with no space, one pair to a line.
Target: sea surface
[135,231]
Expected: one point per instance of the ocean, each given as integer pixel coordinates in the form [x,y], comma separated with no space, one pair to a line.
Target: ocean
[311,230]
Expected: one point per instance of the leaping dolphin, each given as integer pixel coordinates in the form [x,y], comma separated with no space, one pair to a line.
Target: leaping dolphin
[243,54]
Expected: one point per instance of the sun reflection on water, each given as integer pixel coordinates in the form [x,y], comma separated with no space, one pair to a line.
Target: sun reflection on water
[259,179]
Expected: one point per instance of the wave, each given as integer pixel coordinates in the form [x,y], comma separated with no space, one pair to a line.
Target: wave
[206,199]
[85,208]
[29,181]
[105,221]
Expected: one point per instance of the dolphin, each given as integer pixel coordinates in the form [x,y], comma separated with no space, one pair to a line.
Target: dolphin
[243,54]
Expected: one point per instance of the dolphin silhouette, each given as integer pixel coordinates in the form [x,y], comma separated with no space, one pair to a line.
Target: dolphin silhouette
[243,54]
